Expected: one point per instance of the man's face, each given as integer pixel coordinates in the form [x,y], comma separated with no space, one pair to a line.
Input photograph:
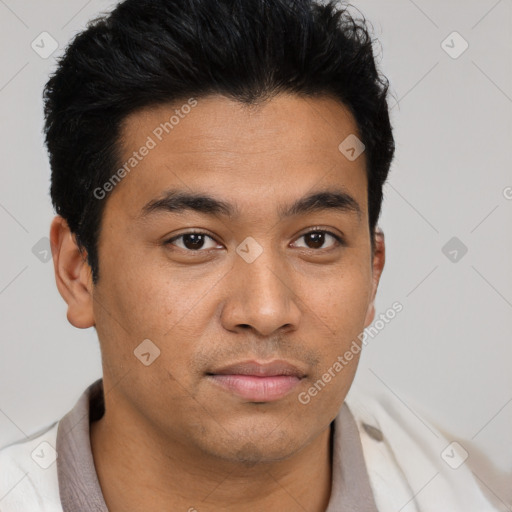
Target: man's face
[251,287]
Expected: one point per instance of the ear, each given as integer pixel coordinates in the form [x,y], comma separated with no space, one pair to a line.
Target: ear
[72,274]
[379,258]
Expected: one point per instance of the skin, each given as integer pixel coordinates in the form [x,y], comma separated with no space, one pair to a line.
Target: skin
[200,446]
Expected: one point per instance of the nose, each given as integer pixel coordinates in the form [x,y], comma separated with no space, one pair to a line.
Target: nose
[261,296]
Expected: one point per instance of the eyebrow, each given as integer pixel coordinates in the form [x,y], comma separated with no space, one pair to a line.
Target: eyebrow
[179,201]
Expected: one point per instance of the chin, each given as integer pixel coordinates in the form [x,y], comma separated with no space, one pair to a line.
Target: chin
[251,453]
[258,444]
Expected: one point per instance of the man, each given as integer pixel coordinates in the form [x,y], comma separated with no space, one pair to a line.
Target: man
[217,171]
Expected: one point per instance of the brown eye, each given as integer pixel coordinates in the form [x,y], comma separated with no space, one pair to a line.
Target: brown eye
[316,239]
[192,241]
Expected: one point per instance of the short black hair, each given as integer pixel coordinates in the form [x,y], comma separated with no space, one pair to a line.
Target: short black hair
[150,52]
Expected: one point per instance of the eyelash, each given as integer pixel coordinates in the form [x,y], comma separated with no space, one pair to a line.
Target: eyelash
[339,240]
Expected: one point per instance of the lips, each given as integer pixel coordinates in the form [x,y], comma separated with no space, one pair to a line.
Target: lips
[258,382]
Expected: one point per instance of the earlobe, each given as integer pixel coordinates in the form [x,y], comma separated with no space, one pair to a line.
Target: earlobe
[370,314]
[378,261]
[72,274]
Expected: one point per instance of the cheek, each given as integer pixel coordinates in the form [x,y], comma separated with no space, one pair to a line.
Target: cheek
[148,299]
[339,309]
[155,303]
[148,305]
[341,301]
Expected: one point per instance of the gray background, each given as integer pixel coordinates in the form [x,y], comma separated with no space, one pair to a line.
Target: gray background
[447,355]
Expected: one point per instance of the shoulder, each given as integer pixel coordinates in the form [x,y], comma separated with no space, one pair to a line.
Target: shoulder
[411,465]
[28,474]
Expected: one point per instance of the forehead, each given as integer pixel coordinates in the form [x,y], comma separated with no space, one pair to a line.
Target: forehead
[288,145]
[220,123]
